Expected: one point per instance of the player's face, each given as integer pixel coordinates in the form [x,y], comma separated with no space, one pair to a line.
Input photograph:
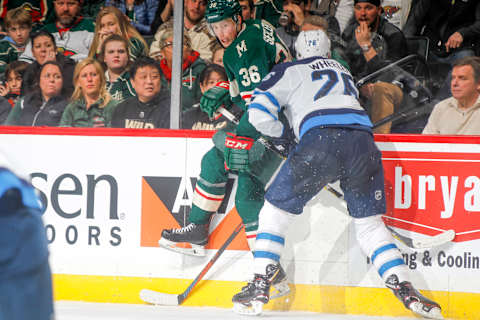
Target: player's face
[226,31]
[116,55]
[195,10]
[66,11]
[51,81]
[366,12]
[109,25]
[147,83]
[218,57]
[19,33]
[463,83]
[212,80]
[14,81]
[43,49]
[89,81]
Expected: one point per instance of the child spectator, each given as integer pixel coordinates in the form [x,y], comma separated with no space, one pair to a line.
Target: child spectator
[141,13]
[195,118]
[44,105]
[91,104]
[44,49]
[114,53]
[14,75]
[18,24]
[111,21]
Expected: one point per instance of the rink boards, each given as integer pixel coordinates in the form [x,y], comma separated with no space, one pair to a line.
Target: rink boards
[109,193]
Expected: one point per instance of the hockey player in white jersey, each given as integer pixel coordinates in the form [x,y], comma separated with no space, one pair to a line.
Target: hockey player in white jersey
[335,142]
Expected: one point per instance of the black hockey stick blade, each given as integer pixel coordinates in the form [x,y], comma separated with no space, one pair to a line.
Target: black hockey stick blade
[169,299]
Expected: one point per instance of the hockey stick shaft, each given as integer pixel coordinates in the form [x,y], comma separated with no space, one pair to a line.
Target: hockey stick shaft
[437,240]
[210,263]
[160,298]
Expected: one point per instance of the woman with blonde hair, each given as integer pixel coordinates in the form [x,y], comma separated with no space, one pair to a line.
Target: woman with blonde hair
[91,104]
[110,21]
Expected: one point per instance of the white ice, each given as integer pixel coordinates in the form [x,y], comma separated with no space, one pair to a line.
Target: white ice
[67,310]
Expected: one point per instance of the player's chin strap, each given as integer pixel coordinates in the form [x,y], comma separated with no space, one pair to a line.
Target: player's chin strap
[411,242]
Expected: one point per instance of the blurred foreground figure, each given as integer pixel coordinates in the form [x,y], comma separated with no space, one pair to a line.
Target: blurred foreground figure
[25,278]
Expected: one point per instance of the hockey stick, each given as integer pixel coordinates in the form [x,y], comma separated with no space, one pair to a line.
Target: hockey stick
[414,243]
[168,299]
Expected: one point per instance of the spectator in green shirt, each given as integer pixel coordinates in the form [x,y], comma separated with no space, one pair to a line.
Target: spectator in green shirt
[114,54]
[92,105]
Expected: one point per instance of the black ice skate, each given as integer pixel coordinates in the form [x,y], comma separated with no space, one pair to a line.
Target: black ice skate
[412,299]
[256,293]
[190,239]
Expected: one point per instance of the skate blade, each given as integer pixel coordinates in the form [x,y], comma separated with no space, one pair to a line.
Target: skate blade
[434,313]
[279,290]
[183,247]
[254,309]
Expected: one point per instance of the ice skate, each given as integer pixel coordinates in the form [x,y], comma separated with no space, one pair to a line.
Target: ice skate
[280,286]
[256,293]
[190,239]
[412,299]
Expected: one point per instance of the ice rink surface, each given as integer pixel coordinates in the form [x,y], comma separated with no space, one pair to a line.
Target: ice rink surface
[67,310]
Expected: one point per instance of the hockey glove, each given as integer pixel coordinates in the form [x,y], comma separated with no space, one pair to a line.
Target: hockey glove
[236,152]
[215,97]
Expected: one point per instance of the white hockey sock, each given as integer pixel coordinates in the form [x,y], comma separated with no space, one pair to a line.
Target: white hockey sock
[251,237]
[272,228]
[378,244]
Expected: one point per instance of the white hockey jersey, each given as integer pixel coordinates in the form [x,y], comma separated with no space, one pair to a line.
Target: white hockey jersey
[311,92]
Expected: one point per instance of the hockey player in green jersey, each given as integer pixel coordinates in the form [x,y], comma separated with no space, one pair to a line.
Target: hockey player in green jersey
[251,50]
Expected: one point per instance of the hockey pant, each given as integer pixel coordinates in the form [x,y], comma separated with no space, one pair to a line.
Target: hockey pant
[211,186]
[324,155]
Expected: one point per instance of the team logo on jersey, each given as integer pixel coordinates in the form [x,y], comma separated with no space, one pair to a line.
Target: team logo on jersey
[35,12]
[241,47]
[378,195]
[390,11]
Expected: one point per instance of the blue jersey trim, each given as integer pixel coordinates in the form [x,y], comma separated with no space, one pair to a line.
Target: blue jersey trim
[266,255]
[270,97]
[383,249]
[271,237]
[262,108]
[388,265]
[335,120]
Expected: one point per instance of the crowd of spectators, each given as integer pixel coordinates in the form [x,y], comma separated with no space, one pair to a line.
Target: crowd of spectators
[109,63]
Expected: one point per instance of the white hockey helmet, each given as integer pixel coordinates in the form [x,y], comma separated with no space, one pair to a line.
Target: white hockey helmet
[312,43]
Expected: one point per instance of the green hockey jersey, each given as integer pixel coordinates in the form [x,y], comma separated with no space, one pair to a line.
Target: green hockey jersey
[251,56]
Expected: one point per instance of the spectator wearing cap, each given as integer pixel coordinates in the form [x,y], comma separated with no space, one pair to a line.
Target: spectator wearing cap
[192,66]
[371,44]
